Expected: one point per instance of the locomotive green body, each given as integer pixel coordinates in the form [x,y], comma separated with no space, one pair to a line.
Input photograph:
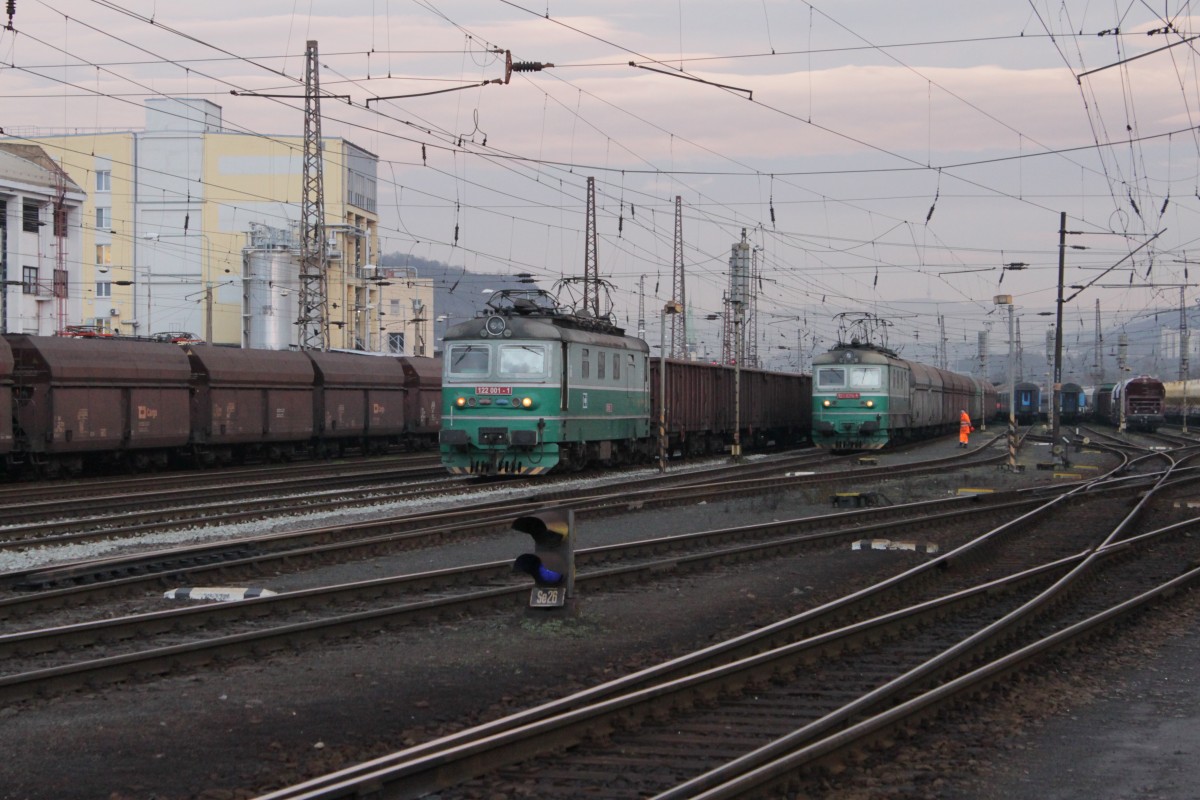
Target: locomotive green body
[528,389]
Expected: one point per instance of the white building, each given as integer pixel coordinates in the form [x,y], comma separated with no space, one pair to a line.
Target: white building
[40,208]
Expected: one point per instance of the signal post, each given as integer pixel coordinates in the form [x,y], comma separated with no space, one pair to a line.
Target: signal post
[552,562]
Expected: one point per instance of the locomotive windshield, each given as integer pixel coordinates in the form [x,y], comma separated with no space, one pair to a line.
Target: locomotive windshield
[864,377]
[831,377]
[468,359]
[849,377]
[522,359]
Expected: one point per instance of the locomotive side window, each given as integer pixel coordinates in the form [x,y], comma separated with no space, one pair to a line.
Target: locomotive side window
[586,370]
[865,377]
[600,365]
[616,366]
[469,359]
[831,377]
[522,359]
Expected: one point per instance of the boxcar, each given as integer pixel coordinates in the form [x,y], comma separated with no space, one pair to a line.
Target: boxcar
[251,403]
[422,400]
[359,401]
[701,413]
[97,400]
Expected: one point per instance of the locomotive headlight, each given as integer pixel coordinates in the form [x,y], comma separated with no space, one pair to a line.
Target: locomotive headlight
[526,402]
[460,402]
[827,403]
[869,404]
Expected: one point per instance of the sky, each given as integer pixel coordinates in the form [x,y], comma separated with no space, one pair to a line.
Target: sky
[883,157]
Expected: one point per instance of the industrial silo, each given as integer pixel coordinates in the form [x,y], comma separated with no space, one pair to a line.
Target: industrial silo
[270,266]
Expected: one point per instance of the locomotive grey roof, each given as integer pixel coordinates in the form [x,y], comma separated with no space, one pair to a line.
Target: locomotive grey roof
[546,328]
[856,355]
[535,314]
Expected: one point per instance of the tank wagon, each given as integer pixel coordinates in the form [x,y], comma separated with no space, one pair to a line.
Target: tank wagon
[1137,402]
[530,387]
[865,397]
[110,401]
[1182,400]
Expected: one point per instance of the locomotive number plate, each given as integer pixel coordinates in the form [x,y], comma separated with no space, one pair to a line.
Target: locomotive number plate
[505,390]
[848,395]
[548,597]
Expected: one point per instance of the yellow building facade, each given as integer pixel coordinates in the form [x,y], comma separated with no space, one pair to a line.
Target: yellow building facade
[189,228]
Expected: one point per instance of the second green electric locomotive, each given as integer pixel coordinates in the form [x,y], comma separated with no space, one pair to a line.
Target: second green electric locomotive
[866,397]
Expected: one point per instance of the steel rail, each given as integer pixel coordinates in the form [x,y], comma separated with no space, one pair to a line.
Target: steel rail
[193,559]
[450,760]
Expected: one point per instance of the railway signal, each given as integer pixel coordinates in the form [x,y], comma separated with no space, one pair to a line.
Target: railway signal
[552,563]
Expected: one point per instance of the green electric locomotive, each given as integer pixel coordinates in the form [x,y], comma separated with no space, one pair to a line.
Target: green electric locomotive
[865,397]
[528,387]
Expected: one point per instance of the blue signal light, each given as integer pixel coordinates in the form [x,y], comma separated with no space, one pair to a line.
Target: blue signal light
[552,563]
[541,574]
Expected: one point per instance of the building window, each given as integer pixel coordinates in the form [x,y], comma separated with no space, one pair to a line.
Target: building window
[30,280]
[104,180]
[104,219]
[29,216]
[103,288]
[395,342]
[104,255]
[60,283]
[394,308]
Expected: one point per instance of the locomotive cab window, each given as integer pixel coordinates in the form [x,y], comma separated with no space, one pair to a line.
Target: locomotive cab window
[865,378]
[468,359]
[831,377]
[522,359]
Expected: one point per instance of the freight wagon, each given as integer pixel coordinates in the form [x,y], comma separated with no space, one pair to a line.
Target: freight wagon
[103,401]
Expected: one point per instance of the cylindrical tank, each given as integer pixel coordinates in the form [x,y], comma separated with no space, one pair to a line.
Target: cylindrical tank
[269,294]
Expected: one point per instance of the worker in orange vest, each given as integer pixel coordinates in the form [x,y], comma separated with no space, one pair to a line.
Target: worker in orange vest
[964,429]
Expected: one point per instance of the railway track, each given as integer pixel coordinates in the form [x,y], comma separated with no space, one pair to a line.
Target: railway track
[287,620]
[87,579]
[109,518]
[754,716]
[12,495]
[65,656]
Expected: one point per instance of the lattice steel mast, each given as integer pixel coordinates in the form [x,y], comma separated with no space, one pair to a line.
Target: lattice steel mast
[591,261]
[679,321]
[313,322]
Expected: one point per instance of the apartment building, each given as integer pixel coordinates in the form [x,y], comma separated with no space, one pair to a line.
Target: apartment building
[175,214]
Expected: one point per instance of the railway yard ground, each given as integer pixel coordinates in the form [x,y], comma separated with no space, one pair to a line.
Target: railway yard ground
[1121,720]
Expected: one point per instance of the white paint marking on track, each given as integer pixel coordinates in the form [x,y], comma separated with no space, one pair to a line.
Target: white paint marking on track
[222,593]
